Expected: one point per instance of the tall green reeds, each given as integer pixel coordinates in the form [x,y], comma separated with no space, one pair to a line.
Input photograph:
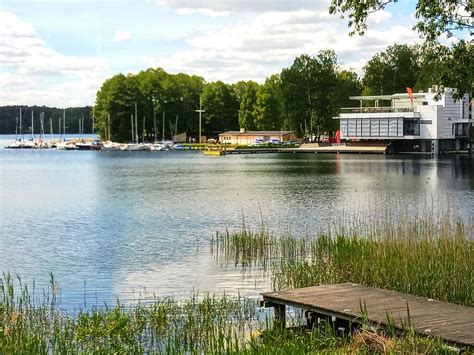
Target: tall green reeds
[200,324]
[431,257]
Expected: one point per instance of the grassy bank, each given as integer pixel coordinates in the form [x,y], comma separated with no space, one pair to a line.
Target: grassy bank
[429,257]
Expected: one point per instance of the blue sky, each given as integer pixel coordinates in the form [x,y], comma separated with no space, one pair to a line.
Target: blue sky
[59,52]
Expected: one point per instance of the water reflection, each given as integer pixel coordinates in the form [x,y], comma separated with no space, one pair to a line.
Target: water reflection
[109,224]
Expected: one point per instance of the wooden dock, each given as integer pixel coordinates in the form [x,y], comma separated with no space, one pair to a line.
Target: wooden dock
[315,148]
[352,303]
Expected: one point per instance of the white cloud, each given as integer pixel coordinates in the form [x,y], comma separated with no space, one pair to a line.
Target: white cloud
[120,36]
[378,17]
[204,12]
[33,73]
[246,6]
[256,48]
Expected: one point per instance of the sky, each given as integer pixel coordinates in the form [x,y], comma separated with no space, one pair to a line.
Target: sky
[59,52]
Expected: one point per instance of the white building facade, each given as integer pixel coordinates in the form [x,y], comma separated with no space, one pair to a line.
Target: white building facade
[431,122]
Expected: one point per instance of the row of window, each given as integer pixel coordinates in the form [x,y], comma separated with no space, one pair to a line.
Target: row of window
[380,127]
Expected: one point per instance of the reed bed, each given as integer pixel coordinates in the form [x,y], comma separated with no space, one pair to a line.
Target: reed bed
[431,257]
[200,324]
[207,324]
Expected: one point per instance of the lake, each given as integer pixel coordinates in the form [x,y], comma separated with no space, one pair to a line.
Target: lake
[134,224]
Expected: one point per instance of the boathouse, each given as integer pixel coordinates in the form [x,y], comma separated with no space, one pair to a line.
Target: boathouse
[430,122]
[244,137]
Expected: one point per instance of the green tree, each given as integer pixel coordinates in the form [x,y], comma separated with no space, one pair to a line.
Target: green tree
[392,71]
[435,18]
[453,67]
[248,103]
[348,84]
[309,93]
[154,92]
[117,98]
[221,105]
[268,110]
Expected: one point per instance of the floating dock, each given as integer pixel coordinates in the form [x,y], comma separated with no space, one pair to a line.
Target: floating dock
[317,148]
[353,303]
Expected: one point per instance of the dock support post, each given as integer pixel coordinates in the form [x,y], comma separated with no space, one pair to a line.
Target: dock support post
[280,316]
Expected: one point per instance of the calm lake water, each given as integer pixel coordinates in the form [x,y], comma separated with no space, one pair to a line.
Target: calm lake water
[134,224]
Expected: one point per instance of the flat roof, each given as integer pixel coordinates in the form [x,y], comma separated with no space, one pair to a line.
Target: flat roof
[254,133]
[385,97]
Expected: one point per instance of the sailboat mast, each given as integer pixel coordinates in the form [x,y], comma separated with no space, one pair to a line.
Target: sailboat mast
[143,139]
[32,127]
[64,123]
[131,123]
[163,133]
[176,125]
[136,124]
[21,133]
[154,123]
[51,128]
[16,128]
[93,120]
[41,127]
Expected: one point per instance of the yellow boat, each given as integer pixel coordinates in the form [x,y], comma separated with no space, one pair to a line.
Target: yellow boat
[213,152]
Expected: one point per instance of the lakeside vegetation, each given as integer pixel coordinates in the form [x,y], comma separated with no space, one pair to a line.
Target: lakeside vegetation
[303,97]
[422,256]
[428,256]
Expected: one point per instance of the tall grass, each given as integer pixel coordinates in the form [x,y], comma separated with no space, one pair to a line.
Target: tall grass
[200,324]
[431,257]
[207,324]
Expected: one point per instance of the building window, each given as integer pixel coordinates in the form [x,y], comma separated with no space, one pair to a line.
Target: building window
[425,103]
[411,127]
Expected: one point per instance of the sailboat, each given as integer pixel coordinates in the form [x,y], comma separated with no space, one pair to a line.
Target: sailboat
[19,141]
[65,145]
[17,144]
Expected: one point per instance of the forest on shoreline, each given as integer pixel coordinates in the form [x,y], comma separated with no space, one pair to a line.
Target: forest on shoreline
[302,98]
[10,115]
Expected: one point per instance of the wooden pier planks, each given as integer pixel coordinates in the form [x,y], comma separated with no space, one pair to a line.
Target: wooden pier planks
[451,322]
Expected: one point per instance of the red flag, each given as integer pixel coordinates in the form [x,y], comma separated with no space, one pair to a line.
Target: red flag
[338,137]
[410,94]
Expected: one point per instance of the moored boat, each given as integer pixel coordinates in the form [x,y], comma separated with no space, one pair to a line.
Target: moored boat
[66,146]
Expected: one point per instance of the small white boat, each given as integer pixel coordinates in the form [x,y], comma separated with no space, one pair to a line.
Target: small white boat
[30,145]
[134,147]
[111,146]
[157,147]
[15,145]
[66,146]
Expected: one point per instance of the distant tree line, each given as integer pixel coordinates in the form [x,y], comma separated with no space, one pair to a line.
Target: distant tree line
[10,117]
[303,98]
